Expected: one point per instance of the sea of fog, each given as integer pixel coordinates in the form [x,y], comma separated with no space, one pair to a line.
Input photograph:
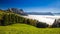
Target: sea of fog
[49,19]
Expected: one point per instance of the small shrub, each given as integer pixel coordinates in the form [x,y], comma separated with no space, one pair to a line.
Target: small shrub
[41,25]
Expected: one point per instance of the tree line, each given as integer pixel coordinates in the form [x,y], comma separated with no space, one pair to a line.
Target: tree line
[8,18]
[12,18]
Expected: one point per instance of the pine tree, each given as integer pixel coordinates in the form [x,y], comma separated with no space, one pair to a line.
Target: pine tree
[5,19]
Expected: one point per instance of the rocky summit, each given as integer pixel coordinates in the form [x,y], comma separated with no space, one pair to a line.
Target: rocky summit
[17,11]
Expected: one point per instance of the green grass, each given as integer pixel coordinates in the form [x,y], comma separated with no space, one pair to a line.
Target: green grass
[27,29]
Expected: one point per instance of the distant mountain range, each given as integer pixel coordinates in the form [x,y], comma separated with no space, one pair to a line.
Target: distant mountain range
[40,13]
[21,12]
[56,13]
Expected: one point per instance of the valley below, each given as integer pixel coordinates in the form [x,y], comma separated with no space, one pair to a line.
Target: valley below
[49,19]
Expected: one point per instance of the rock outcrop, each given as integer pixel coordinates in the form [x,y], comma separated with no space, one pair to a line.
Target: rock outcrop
[17,11]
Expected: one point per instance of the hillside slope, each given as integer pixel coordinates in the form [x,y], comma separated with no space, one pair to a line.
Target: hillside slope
[27,29]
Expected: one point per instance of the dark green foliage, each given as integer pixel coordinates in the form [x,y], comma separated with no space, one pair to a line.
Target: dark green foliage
[5,20]
[56,25]
[15,18]
[25,21]
[41,25]
[12,18]
[31,22]
[28,21]
[9,19]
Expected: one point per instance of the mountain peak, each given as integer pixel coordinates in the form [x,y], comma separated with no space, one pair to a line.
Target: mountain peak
[16,10]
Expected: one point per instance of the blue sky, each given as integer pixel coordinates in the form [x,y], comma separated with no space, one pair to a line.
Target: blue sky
[32,5]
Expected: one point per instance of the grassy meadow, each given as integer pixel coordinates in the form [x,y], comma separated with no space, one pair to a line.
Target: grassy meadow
[27,29]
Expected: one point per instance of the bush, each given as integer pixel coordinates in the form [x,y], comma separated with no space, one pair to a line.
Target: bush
[41,25]
[28,21]
[33,22]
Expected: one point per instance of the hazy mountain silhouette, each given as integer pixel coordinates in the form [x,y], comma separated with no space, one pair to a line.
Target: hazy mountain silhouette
[40,13]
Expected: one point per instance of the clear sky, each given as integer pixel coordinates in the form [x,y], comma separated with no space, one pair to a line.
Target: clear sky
[32,5]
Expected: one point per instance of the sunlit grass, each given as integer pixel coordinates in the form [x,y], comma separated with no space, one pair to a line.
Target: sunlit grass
[27,29]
